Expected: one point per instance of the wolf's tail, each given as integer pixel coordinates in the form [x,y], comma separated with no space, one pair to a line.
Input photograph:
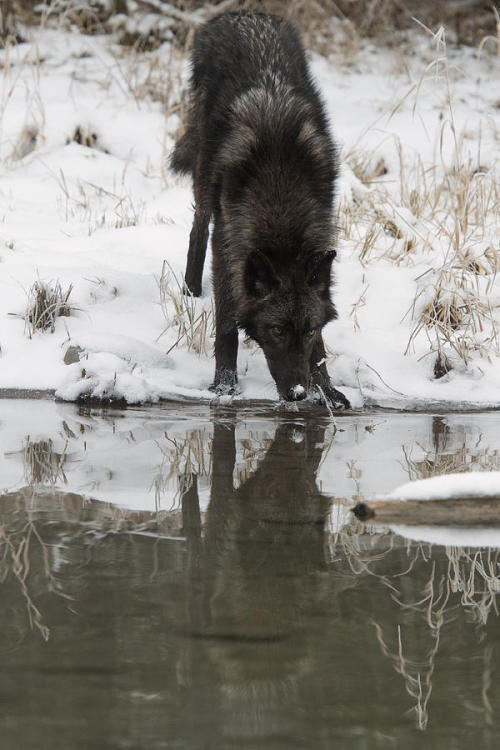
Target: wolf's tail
[183,155]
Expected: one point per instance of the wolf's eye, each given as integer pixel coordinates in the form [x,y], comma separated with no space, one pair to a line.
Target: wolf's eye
[277,331]
[310,333]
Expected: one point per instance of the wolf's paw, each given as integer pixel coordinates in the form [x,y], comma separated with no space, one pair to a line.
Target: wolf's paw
[338,400]
[225,383]
[222,389]
[331,397]
[191,289]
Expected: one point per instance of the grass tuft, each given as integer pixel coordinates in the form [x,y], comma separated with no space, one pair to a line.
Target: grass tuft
[26,143]
[195,327]
[46,302]
[84,137]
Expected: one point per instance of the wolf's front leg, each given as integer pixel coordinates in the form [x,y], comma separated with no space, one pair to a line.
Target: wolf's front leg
[226,331]
[320,379]
[226,353]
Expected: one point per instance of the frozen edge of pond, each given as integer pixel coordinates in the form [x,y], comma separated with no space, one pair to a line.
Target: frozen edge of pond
[275,407]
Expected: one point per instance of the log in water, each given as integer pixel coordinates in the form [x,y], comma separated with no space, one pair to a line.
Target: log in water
[457,511]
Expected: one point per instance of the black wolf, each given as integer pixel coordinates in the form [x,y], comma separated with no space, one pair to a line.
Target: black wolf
[258,147]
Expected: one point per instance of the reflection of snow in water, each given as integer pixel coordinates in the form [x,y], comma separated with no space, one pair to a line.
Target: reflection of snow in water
[140,458]
[451,536]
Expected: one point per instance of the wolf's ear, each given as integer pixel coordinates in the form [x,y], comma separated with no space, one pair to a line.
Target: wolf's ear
[260,276]
[318,269]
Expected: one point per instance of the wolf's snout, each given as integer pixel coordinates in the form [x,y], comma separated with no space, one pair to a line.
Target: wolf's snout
[296,393]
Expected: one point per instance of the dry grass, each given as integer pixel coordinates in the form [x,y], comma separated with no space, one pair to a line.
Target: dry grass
[453,306]
[147,23]
[98,207]
[447,215]
[47,301]
[26,143]
[193,322]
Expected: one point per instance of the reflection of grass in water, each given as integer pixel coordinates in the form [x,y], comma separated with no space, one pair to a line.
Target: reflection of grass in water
[446,456]
[252,450]
[417,675]
[15,555]
[475,575]
[470,575]
[463,459]
[42,464]
[180,460]
[36,525]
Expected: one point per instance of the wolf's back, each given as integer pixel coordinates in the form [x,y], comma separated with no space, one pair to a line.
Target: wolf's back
[237,51]
[232,54]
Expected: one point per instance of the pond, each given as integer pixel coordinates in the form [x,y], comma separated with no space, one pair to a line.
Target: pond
[191,577]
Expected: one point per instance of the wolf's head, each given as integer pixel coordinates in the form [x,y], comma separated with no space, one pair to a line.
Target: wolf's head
[284,309]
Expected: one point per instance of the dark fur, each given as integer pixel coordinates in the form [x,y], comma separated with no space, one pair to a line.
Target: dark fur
[263,164]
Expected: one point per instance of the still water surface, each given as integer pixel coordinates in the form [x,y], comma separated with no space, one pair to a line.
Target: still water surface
[190,578]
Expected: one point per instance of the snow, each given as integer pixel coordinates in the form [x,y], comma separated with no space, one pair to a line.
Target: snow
[298,392]
[449,486]
[446,486]
[105,219]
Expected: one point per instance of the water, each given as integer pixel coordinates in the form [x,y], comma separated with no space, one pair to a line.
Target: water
[215,592]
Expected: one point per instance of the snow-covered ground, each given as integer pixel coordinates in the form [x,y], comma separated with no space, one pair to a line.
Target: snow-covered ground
[419,218]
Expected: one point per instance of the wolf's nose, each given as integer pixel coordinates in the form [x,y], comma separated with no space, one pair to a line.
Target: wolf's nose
[296,393]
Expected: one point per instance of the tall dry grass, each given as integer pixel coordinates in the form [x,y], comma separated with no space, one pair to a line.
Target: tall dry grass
[192,319]
[445,214]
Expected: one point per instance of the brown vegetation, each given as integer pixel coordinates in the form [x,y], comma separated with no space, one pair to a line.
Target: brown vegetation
[466,22]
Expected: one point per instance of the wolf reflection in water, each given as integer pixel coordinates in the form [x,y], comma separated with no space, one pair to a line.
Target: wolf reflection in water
[256,623]
[260,538]
[256,572]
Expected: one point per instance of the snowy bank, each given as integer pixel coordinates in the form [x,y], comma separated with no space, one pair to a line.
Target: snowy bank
[446,486]
[474,484]
[87,201]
